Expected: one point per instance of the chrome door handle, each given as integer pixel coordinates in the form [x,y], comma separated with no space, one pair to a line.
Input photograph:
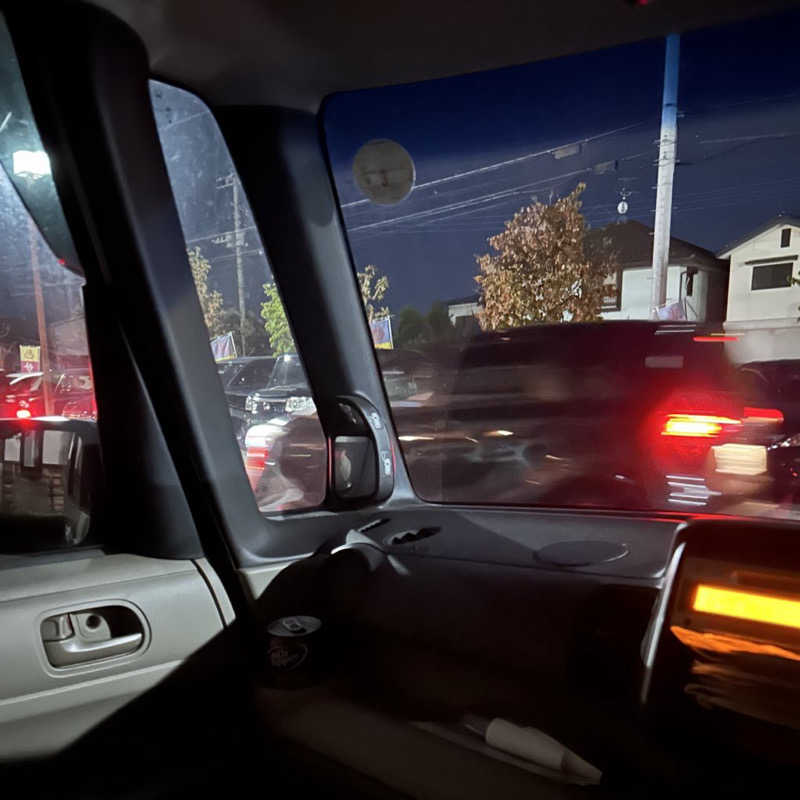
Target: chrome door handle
[66,652]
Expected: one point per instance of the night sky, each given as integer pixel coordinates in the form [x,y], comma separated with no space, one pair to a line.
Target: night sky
[738,149]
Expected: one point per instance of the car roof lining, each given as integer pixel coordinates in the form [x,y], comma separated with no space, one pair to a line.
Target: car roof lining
[293,54]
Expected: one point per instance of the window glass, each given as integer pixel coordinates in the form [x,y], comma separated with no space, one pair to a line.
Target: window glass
[42,328]
[248,332]
[578,248]
[44,354]
[772,276]
[254,375]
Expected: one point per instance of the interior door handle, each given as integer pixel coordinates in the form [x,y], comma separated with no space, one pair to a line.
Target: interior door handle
[66,652]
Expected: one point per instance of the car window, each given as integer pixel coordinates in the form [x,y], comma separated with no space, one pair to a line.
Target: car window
[42,324]
[253,376]
[580,247]
[225,371]
[288,371]
[241,306]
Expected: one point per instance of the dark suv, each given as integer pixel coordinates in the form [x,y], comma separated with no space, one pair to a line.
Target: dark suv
[616,414]
[239,377]
[286,391]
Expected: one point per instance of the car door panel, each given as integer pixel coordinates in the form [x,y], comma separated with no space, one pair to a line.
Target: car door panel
[44,708]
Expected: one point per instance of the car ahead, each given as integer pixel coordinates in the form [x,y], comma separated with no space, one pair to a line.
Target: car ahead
[405,372]
[24,395]
[239,377]
[285,391]
[617,414]
[775,387]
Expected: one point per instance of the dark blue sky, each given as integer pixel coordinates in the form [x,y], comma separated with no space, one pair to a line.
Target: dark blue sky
[738,149]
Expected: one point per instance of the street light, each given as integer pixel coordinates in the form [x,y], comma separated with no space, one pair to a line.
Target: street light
[30,163]
[33,164]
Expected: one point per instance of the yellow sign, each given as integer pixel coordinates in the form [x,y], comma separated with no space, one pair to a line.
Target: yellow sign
[29,358]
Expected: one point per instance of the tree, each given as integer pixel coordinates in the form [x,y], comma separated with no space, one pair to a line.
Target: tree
[411,328]
[373,289]
[275,322]
[441,327]
[255,338]
[542,269]
[210,300]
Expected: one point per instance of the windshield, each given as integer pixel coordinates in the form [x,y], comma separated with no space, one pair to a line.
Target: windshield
[226,370]
[288,372]
[253,376]
[589,249]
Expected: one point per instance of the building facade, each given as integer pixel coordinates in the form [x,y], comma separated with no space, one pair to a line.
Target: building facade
[763,296]
[696,278]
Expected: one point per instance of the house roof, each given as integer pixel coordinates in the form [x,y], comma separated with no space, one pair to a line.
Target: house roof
[780,219]
[632,241]
[458,301]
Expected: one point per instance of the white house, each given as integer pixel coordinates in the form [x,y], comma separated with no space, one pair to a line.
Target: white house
[763,300]
[463,307]
[696,278]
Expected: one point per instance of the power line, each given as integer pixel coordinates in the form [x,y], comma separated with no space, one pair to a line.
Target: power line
[509,162]
[486,201]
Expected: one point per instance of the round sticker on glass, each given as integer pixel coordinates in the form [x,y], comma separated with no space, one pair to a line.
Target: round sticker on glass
[384,171]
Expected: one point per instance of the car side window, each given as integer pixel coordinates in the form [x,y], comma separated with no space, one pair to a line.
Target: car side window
[242,309]
[44,353]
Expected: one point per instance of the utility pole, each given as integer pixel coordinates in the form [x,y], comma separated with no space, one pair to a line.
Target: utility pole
[667,148]
[41,322]
[231,180]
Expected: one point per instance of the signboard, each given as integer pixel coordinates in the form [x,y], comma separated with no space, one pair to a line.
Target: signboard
[381,330]
[223,347]
[29,358]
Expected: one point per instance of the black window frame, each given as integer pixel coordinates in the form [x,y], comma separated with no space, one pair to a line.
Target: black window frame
[765,269]
[786,237]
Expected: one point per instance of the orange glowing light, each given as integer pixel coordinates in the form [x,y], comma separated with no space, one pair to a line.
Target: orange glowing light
[699,425]
[747,605]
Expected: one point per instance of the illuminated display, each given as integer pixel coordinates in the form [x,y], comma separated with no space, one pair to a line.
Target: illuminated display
[747,605]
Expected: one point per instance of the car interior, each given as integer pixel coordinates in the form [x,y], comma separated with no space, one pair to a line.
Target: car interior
[162,636]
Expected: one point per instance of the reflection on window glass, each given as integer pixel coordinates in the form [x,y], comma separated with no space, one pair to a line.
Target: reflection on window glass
[640,194]
[248,332]
[43,346]
[44,354]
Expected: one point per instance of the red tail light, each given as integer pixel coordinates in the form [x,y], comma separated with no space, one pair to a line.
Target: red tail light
[23,413]
[697,426]
[256,458]
[763,414]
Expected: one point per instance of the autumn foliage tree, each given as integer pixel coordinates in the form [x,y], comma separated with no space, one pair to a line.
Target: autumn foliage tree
[542,269]
[373,288]
[210,299]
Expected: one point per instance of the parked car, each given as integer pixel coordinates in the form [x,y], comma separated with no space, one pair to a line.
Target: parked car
[618,414]
[405,372]
[239,377]
[24,395]
[286,451]
[775,386]
[286,391]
